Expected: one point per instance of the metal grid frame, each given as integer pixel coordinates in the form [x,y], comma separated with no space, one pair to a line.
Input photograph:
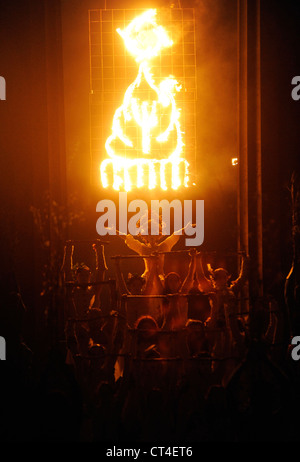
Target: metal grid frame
[112,69]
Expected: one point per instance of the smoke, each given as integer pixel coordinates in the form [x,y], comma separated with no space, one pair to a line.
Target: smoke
[216,93]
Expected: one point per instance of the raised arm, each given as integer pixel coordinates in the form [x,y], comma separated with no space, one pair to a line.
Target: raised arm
[68,262]
[169,242]
[120,278]
[100,270]
[190,277]
[101,266]
[242,278]
[204,271]
[135,244]
[270,334]
[70,309]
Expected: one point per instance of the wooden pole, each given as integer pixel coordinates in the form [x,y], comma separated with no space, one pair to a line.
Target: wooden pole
[242,131]
[259,224]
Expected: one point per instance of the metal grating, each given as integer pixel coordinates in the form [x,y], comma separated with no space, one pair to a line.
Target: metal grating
[113,69]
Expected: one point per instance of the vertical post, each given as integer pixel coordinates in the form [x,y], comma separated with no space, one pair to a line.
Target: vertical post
[254,152]
[249,145]
[242,130]
[259,227]
[56,148]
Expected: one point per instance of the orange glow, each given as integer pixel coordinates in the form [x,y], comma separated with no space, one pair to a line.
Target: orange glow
[143,38]
[148,109]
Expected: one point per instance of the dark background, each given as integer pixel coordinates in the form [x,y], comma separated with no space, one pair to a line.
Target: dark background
[44,136]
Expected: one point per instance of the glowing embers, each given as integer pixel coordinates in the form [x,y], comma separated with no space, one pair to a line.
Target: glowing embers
[146,143]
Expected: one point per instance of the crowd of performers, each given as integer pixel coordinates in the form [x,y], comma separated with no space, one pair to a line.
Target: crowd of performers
[159,356]
[166,355]
[161,330]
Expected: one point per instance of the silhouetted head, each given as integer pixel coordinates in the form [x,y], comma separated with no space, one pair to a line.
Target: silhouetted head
[83,274]
[147,329]
[195,336]
[172,283]
[135,284]
[97,353]
[151,239]
[220,278]
[146,230]
[147,323]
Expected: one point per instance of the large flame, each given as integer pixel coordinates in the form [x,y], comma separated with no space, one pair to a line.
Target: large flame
[150,109]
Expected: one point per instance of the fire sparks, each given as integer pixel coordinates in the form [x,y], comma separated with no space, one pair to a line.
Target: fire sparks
[146,142]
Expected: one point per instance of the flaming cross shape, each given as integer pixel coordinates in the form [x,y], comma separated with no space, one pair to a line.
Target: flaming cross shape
[156,116]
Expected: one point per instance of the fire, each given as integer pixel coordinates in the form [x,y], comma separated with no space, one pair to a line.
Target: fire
[144,38]
[148,109]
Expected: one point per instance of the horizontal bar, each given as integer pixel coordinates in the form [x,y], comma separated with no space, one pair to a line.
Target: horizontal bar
[85,241]
[87,284]
[115,257]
